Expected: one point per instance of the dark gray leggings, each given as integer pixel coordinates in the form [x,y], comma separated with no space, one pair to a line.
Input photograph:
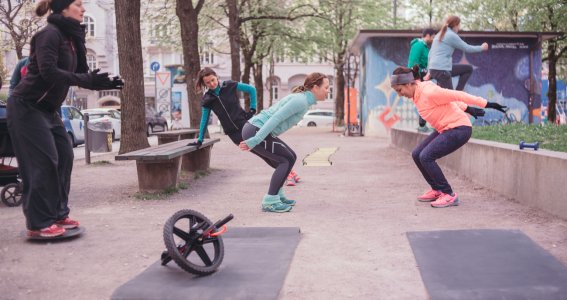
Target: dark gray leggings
[275,150]
[444,78]
[435,146]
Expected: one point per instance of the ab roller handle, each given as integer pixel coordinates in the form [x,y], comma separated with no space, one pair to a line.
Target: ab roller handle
[534,146]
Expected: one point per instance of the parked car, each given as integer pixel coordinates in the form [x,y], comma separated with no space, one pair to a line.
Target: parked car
[155,122]
[106,115]
[318,117]
[74,124]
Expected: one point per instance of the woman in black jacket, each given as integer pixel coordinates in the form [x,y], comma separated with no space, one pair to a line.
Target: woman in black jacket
[42,146]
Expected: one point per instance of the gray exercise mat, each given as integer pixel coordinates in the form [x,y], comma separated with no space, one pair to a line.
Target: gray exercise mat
[486,264]
[256,261]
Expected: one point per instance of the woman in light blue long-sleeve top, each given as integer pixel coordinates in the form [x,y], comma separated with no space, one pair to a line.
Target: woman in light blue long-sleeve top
[261,133]
[441,67]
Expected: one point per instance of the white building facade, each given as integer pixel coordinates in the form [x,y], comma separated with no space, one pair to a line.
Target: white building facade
[102,52]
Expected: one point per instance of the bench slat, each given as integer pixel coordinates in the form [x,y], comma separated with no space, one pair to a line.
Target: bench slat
[164,151]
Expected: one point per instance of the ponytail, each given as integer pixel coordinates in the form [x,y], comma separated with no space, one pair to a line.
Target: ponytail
[42,8]
[299,89]
[313,79]
[451,22]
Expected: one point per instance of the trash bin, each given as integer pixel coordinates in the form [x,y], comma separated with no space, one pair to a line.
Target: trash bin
[99,137]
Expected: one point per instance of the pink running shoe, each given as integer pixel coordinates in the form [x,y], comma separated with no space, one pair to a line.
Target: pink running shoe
[295,176]
[51,231]
[290,181]
[446,200]
[67,223]
[429,196]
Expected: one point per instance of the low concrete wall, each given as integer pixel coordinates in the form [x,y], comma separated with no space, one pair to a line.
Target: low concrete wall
[534,178]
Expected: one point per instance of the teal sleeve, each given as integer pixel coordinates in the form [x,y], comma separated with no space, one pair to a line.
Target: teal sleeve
[286,111]
[250,90]
[204,121]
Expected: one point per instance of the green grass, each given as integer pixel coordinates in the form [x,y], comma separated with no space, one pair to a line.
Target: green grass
[550,137]
[101,163]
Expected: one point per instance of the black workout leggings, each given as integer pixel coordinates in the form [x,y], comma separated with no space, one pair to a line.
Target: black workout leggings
[275,150]
[444,78]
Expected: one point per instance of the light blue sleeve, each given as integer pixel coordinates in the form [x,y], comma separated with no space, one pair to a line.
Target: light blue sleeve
[289,109]
[456,42]
[206,112]
[250,90]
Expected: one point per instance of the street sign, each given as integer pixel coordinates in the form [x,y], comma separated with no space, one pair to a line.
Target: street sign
[154,66]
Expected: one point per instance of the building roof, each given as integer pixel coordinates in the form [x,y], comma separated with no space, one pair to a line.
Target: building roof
[364,34]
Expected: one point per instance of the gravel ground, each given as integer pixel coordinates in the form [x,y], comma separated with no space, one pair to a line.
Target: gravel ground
[353,216]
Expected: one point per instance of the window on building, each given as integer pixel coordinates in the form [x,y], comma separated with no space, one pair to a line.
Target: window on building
[207,57]
[108,93]
[275,90]
[331,94]
[91,61]
[90,24]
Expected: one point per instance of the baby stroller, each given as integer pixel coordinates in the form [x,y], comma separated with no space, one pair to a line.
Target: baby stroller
[11,193]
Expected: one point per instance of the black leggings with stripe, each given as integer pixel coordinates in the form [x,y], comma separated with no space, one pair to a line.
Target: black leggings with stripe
[276,151]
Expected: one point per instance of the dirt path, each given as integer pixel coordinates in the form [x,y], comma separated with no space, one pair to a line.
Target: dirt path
[353,216]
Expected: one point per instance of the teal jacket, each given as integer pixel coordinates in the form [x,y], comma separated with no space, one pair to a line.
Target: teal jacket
[441,53]
[280,117]
[419,53]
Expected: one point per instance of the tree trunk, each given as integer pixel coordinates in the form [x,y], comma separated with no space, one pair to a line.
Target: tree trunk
[189,19]
[131,63]
[552,91]
[234,38]
[340,92]
[259,84]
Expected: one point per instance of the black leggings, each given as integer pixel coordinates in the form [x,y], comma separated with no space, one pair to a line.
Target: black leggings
[444,78]
[276,151]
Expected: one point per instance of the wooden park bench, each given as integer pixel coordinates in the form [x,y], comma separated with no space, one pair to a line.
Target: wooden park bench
[159,166]
[176,135]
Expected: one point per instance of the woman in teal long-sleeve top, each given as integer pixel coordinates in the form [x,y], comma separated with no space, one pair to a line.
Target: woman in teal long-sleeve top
[261,133]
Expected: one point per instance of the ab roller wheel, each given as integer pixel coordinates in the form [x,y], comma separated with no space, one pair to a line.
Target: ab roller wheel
[193,242]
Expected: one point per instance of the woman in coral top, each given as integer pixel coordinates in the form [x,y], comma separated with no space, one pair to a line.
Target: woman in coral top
[445,110]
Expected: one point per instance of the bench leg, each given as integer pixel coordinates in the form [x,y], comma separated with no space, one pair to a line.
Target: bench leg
[158,176]
[198,160]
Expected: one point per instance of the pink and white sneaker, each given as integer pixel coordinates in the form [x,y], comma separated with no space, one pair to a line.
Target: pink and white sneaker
[429,196]
[446,200]
[290,180]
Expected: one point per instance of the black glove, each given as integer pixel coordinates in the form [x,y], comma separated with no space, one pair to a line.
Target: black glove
[198,144]
[496,106]
[422,122]
[475,112]
[99,81]
[117,83]
[250,113]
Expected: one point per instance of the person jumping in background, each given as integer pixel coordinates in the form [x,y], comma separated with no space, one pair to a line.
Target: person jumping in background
[261,133]
[441,67]
[445,110]
[41,143]
[222,99]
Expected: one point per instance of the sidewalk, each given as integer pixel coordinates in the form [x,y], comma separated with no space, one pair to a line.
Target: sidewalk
[353,216]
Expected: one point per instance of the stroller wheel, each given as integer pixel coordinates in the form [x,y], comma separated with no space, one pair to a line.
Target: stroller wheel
[11,194]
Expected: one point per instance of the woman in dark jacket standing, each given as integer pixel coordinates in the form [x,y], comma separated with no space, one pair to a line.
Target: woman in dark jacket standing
[42,146]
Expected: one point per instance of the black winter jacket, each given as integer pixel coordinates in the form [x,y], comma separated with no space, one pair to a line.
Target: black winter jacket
[226,106]
[51,70]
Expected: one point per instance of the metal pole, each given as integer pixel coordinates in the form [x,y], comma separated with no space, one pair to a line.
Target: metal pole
[87,142]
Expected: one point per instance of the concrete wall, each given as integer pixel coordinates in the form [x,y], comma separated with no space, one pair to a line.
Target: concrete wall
[534,178]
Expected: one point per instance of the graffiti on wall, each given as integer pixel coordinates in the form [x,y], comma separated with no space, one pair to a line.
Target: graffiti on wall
[501,74]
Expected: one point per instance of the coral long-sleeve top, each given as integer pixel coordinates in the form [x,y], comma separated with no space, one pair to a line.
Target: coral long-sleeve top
[441,108]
